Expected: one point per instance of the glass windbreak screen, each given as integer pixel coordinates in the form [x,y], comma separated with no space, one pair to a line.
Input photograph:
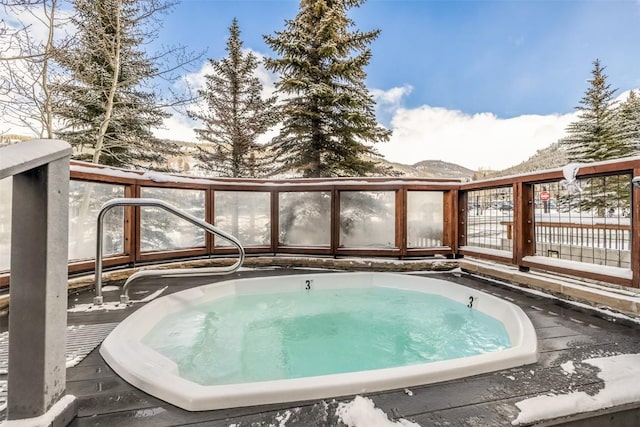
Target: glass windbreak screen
[305,218]
[85,201]
[588,220]
[6,186]
[245,215]
[424,219]
[367,219]
[163,231]
[490,218]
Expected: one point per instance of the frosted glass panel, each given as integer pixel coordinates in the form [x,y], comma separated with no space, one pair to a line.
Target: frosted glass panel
[162,231]
[244,214]
[424,219]
[367,219]
[85,201]
[6,186]
[305,218]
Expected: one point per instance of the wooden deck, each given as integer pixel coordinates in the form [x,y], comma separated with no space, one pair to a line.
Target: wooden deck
[564,334]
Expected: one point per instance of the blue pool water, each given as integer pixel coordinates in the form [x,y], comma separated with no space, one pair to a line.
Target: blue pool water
[261,337]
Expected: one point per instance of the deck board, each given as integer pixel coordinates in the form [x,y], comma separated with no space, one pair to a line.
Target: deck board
[564,334]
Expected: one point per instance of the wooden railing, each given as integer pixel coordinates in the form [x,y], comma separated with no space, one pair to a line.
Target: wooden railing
[528,236]
[609,236]
[410,217]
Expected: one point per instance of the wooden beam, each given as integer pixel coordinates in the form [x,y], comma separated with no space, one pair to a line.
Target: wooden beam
[635,234]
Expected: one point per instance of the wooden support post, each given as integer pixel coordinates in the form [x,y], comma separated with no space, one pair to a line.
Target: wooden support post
[209,217]
[524,227]
[461,221]
[401,221]
[129,226]
[635,233]
[275,221]
[335,221]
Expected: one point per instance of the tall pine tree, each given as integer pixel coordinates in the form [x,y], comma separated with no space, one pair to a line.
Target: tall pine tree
[596,135]
[236,115]
[329,120]
[108,116]
[628,116]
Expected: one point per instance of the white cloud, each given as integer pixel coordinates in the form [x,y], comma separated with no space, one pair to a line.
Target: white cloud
[389,101]
[430,133]
[178,127]
[474,141]
[392,97]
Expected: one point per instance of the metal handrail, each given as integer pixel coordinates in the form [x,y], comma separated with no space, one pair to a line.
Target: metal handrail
[186,272]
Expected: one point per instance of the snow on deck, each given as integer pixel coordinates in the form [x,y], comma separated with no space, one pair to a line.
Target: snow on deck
[621,386]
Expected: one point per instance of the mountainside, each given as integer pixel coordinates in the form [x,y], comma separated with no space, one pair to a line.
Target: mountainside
[546,158]
[432,169]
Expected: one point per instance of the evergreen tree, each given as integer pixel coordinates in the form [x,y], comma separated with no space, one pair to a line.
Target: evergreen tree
[107,114]
[596,135]
[236,116]
[628,116]
[599,135]
[329,120]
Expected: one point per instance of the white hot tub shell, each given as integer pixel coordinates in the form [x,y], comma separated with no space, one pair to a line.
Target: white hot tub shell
[155,374]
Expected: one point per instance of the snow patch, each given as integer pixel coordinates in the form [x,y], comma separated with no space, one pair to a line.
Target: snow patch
[152,295]
[361,412]
[74,359]
[623,273]
[486,251]
[568,368]
[157,177]
[110,288]
[283,418]
[621,386]
[108,306]
[86,308]
[297,182]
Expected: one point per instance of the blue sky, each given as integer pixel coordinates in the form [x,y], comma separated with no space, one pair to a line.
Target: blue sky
[480,83]
[507,57]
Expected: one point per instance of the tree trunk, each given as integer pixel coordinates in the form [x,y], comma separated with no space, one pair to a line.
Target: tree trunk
[115,62]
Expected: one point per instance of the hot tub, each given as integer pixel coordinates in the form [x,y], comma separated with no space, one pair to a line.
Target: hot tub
[148,348]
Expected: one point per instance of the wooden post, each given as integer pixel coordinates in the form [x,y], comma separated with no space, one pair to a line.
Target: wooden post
[335,220]
[129,226]
[460,223]
[401,221]
[523,220]
[635,233]
[275,221]
[136,225]
[209,217]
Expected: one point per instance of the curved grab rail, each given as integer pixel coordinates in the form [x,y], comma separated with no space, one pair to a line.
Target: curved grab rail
[186,272]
